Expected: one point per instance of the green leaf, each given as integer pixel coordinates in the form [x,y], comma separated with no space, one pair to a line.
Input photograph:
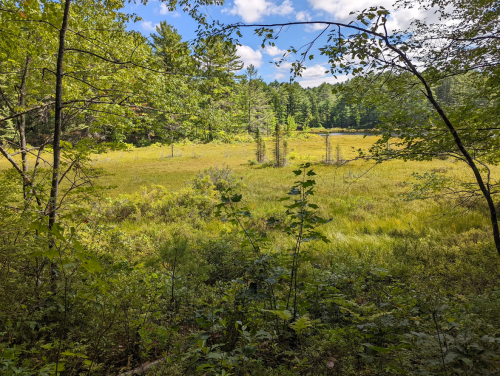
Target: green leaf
[283,314]
[467,361]
[236,198]
[381,350]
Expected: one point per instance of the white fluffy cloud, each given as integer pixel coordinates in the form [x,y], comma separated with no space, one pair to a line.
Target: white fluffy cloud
[254,10]
[303,16]
[148,26]
[163,10]
[311,77]
[315,71]
[273,51]
[250,56]
[316,75]
[341,9]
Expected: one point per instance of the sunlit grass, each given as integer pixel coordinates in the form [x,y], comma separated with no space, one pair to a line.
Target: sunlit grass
[367,208]
[368,211]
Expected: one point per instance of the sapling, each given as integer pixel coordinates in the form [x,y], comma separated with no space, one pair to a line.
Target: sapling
[174,255]
[301,223]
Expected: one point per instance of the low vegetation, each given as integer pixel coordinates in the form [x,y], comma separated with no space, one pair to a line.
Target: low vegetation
[202,267]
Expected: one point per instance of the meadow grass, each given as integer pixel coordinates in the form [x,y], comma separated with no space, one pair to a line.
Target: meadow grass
[365,201]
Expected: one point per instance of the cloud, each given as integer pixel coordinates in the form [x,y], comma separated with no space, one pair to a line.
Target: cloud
[303,16]
[274,51]
[314,72]
[254,10]
[163,10]
[315,27]
[316,75]
[313,82]
[311,77]
[342,8]
[148,26]
[399,19]
[250,56]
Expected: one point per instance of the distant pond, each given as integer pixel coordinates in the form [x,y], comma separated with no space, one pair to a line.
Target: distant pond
[346,134]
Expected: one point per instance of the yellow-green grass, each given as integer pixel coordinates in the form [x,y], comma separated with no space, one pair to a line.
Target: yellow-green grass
[363,204]
[368,212]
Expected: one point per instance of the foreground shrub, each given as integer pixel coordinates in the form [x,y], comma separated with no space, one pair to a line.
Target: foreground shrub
[160,204]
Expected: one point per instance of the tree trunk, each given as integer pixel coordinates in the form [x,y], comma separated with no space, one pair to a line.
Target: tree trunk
[54,190]
[484,187]
[21,123]
[249,106]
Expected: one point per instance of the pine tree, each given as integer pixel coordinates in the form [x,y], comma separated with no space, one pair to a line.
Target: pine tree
[175,53]
[278,100]
[284,154]
[277,145]
[257,110]
[217,61]
[291,126]
[280,146]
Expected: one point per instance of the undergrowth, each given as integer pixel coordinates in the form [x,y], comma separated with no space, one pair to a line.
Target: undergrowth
[201,283]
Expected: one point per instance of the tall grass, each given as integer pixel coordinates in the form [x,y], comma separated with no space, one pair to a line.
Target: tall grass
[370,217]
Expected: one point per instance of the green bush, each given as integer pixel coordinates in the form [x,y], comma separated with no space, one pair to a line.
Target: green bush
[159,204]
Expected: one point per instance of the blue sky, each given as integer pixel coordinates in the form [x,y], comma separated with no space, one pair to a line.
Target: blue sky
[270,11]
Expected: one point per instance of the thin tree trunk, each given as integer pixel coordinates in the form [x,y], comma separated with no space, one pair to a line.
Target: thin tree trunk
[54,190]
[249,106]
[484,187]
[21,121]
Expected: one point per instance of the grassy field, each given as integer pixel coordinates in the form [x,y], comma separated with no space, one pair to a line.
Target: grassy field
[365,201]
[370,215]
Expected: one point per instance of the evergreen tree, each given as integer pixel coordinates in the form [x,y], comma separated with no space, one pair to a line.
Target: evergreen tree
[261,147]
[278,100]
[257,110]
[217,62]
[173,51]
